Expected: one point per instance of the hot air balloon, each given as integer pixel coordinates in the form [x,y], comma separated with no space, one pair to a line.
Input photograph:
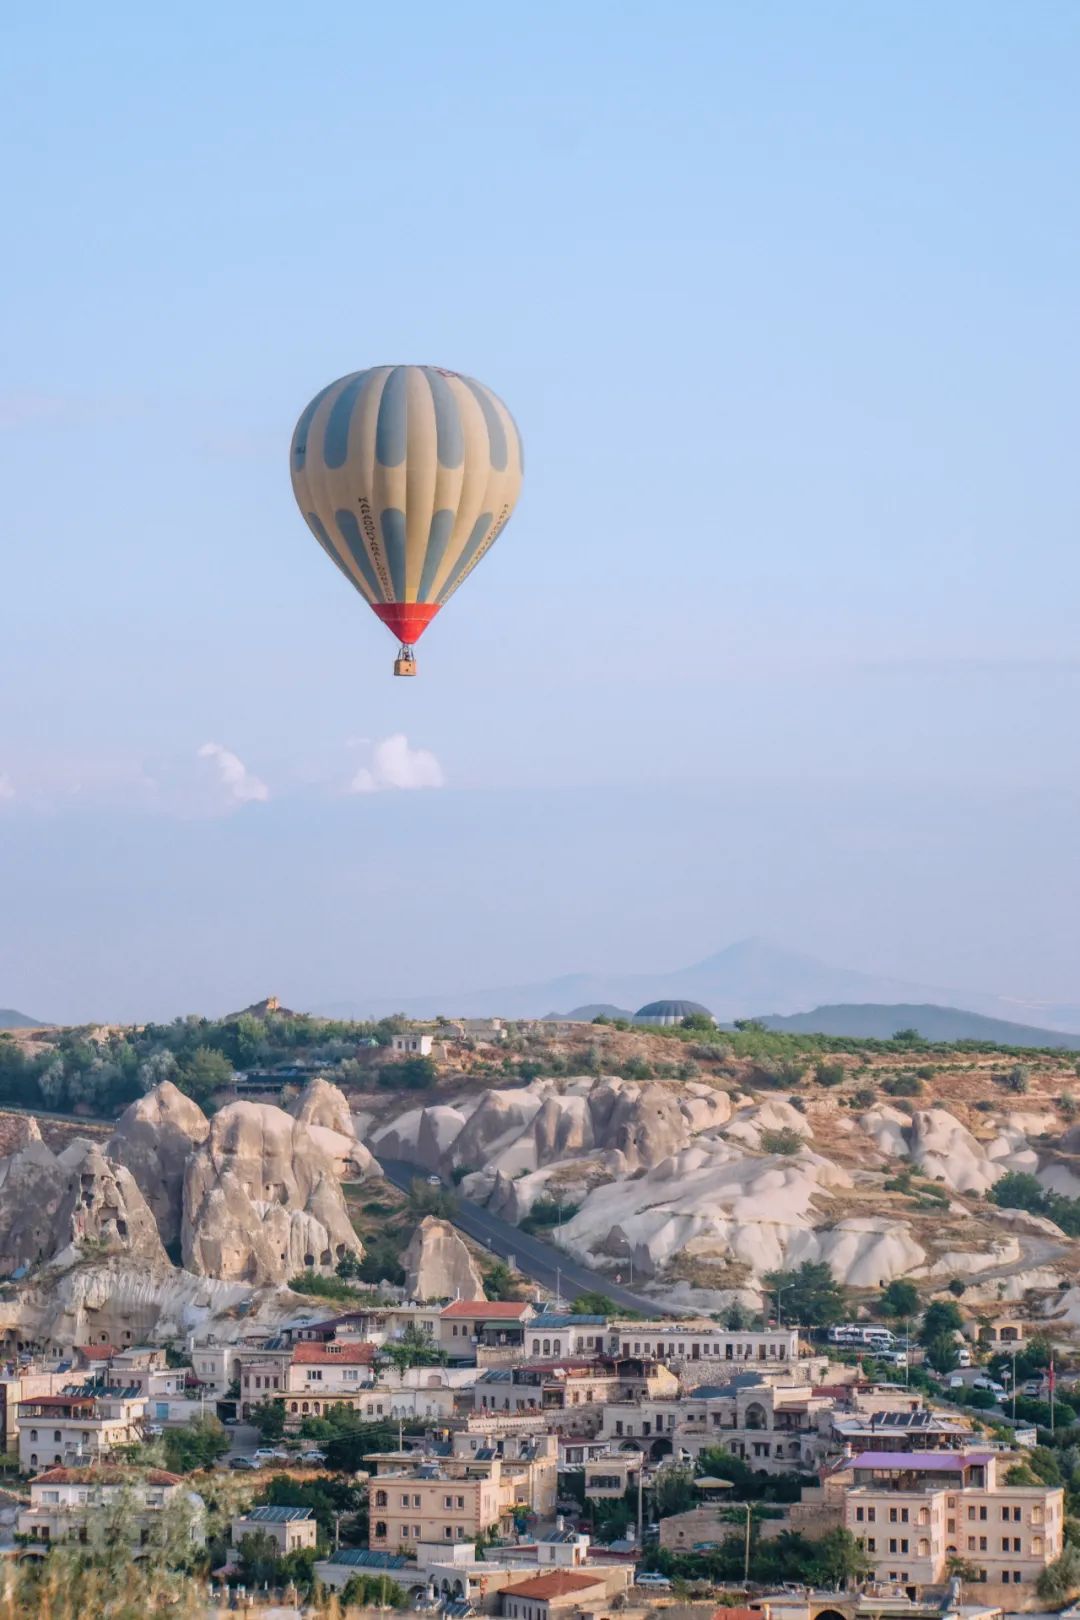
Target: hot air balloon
[406,476]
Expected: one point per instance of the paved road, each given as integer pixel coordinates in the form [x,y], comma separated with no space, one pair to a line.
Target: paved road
[551,1267]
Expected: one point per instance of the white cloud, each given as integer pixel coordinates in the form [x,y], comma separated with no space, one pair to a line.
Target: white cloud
[395,765]
[7,787]
[242,786]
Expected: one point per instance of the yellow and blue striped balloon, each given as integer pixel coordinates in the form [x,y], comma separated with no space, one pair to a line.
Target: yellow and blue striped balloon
[406,476]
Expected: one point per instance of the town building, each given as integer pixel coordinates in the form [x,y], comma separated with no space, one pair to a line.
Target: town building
[78,1426]
[566,1335]
[582,1390]
[914,1511]
[65,1501]
[706,1341]
[447,1499]
[470,1322]
[556,1592]
[291,1528]
[412,1044]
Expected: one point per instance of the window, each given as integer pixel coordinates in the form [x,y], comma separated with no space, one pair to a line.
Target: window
[982,1544]
[56,1434]
[404,1501]
[892,1544]
[982,1513]
[971,1513]
[1017,1577]
[380,1499]
[893,1515]
[904,1545]
[447,1532]
[461,1501]
[448,1501]
[871,1515]
[871,1544]
[1005,1577]
[859,1515]
[33,1434]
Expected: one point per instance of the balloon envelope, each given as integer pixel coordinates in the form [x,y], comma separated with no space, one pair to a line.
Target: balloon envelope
[406,475]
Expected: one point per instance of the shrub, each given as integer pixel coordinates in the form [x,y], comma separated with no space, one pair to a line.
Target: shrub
[865,1097]
[786,1142]
[1015,1080]
[902,1085]
[829,1074]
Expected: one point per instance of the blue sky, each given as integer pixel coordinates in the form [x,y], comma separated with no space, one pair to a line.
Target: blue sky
[784,300]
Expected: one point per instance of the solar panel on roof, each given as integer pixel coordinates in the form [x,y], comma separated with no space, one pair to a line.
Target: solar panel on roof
[362,1558]
[277,1515]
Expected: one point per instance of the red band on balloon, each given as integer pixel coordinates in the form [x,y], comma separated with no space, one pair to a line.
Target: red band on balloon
[408,620]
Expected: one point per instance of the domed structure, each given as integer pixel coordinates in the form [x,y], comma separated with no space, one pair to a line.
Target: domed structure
[669,1012]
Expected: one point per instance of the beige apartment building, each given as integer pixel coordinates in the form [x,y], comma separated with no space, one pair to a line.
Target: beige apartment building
[913,1511]
[451,1499]
[62,1501]
[735,1349]
[72,1429]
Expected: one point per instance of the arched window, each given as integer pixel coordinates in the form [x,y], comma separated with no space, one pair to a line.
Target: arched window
[380,1529]
[380,1499]
[924,1547]
[547,1347]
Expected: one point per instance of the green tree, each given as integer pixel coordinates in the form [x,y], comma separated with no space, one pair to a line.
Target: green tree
[500,1282]
[1018,1189]
[269,1418]
[837,1558]
[807,1294]
[411,1074]
[372,1591]
[1061,1580]
[415,1348]
[941,1320]
[900,1298]
[197,1445]
[941,1354]
[593,1303]
[258,1560]
[203,1073]
[674,1492]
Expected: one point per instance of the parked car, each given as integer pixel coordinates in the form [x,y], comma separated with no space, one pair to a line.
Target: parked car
[312,1457]
[649,1577]
[243,1462]
[269,1454]
[1034,1387]
[984,1382]
[963,1356]
[434,1181]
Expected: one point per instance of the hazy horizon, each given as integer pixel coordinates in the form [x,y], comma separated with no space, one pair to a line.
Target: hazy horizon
[781,639]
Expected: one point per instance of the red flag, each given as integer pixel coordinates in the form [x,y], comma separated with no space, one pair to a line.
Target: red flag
[1051,1377]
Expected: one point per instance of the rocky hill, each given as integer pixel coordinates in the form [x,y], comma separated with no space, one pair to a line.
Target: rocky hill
[881,1020]
[707,1159]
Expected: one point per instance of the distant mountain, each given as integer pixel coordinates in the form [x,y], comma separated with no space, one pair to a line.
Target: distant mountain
[880,1022]
[593,1009]
[733,983]
[10,1019]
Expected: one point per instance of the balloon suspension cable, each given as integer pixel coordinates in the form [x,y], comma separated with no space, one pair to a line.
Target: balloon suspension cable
[405,662]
